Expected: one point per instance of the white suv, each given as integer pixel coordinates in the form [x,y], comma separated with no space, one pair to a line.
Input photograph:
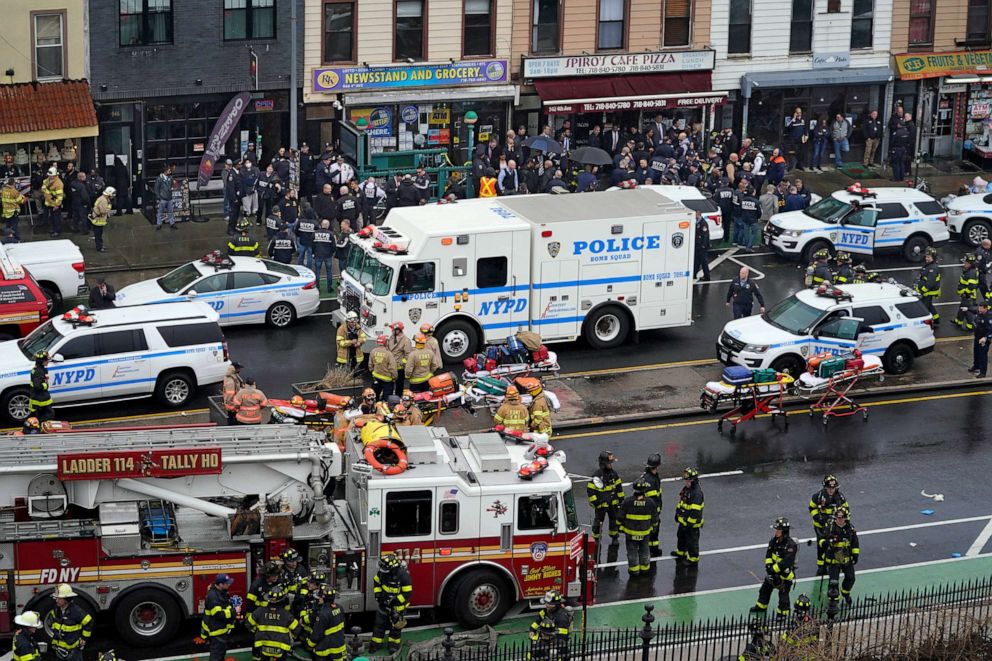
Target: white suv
[885,319]
[970,217]
[885,220]
[694,200]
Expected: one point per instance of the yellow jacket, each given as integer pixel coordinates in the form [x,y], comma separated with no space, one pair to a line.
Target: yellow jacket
[344,344]
[12,201]
[53,191]
[101,210]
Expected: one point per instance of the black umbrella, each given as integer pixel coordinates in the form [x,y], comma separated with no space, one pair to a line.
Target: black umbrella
[590,156]
[543,143]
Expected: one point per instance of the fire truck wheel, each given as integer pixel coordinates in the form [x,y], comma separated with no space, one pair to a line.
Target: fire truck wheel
[14,404]
[175,388]
[479,598]
[147,617]
[457,339]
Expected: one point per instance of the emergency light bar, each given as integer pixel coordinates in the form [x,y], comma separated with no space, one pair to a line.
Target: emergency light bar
[79,316]
[386,239]
[856,189]
[835,293]
[217,260]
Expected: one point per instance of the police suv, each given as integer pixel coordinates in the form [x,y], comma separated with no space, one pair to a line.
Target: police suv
[884,319]
[861,221]
[970,217]
[243,290]
[167,351]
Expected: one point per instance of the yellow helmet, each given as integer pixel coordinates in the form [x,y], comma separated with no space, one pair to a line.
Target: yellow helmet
[64,591]
[512,394]
[297,401]
[28,619]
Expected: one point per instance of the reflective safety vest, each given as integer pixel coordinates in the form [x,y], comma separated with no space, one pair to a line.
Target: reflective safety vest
[218,614]
[487,187]
[513,417]
[393,591]
[327,637]
[689,509]
[274,629]
[71,627]
[638,516]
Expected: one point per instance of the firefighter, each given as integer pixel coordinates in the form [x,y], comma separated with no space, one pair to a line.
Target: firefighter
[421,364]
[818,272]
[350,338]
[218,617]
[689,515]
[367,407]
[273,626]
[780,560]
[432,344]
[821,510]
[968,291]
[842,552]
[605,491]
[40,404]
[30,427]
[844,273]
[393,591]
[512,414]
[638,516]
[243,245]
[382,364]
[550,630]
[248,404]
[399,344]
[233,383]
[258,592]
[650,475]
[25,645]
[326,640]
[400,418]
[759,648]
[862,274]
[308,607]
[414,417]
[803,630]
[539,412]
[71,625]
[928,283]
[294,573]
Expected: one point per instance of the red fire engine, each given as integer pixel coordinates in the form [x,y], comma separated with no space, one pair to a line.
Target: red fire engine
[141,525]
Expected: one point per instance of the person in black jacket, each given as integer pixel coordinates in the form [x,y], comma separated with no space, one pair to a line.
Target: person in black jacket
[266,193]
[701,257]
[872,131]
[103,295]
[281,247]
[323,252]
[80,204]
[407,194]
[742,292]
[233,192]
[324,204]
[219,615]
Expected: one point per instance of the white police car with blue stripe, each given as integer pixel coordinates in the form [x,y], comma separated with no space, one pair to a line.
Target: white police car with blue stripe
[243,290]
[970,216]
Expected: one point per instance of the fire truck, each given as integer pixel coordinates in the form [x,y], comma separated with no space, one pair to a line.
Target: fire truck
[139,522]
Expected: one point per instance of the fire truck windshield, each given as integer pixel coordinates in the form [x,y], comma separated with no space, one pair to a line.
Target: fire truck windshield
[41,338]
[571,518]
[366,269]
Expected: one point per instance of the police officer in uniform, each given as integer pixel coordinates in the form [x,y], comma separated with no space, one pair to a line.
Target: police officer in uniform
[273,222]
[304,228]
[638,516]
[821,510]
[742,292]
[371,192]
[689,516]
[842,553]
[281,246]
[40,404]
[550,630]
[382,365]
[218,617]
[393,590]
[326,639]
[274,627]
[243,245]
[724,198]
[650,475]
[983,263]
[750,211]
[71,625]
[928,283]
[780,559]
[348,208]
[25,646]
[983,338]
[605,491]
[818,272]
[701,256]
[512,414]
[844,273]
[968,291]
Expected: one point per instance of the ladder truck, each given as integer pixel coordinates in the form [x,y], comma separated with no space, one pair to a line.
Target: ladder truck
[139,522]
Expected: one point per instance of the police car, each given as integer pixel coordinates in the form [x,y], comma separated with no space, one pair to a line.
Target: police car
[970,217]
[861,221]
[884,319]
[692,198]
[167,351]
[243,290]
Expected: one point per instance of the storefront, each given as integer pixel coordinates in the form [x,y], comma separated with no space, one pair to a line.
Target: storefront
[954,94]
[623,90]
[417,106]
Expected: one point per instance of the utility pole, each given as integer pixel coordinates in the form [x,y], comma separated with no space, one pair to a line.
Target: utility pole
[293,83]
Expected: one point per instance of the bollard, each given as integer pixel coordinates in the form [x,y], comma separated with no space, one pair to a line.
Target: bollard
[647,632]
[355,644]
[448,645]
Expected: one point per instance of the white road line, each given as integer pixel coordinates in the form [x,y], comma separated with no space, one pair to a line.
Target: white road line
[727,254]
[760,275]
[980,541]
[745,255]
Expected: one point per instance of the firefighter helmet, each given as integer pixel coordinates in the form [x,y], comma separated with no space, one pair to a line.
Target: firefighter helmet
[318,576]
[32,423]
[969,257]
[381,340]
[271,570]
[781,523]
[397,326]
[368,393]
[690,473]
[329,592]
[29,619]
[932,253]
[277,596]
[654,460]
[606,457]
[641,486]
[109,655]
[244,224]
[822,253]
[399,411]
[297,401]
[552,597]
[290,555]
[512,394]
[351,316]
[802,603]
[426,329]
[843,257]
[64,591]
[41,356]
[842,512]
[419,340]
[830,481]
[758,628]
[388,563]
[407,395]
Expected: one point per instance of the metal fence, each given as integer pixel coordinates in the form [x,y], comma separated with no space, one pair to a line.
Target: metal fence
[878,626]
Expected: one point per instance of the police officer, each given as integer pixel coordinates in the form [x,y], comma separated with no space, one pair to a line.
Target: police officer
[218,617]
[928,283]
[323,253]
[382,365]
[25,646]
[742,292]
[304,228]
[258,591]
[71,625]
[750,211]
[689,516]
[539,411]
[350,339]
[281,246]
[348,207]
[274,627]
[983,336]
[724,198]
[842,553]
[605,491]
[273,222]
[844,273]
[983,263]
[780,559]
[818,272]
[550,630]
[701,256]
[371,192]
[512,414]
[243,245]
[421,365]
[638,515]
[40,404]
[968,291]
[393,591]
[650,475]
[326,639]
[821,510]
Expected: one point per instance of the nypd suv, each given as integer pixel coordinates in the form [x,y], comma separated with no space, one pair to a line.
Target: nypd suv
[884,319]
[970,217]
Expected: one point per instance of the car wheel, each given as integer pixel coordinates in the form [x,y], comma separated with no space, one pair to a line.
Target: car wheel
[606,328]
[915,248]
[280,315]
[174,389]
[976,231]
[480,598]
[792,365]
[147,617]
[457,340]
[813,247]
[52,298]
[16,404]
[898,359]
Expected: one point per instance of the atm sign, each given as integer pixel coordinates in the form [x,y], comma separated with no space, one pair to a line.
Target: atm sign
[174,462]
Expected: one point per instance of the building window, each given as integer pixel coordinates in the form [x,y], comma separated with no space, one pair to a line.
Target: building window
[978,22]
[49,58]
[249,19]
[339,28]
[677,28]
[920,22]
[478,33]
[862,23]
[739,36]
[409,30]
[611,24]
[545,26]
[801,35]
[145,22]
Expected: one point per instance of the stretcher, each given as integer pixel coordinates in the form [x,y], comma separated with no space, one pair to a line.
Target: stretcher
[512,370]
[834,400]
[493,401]
[749,400]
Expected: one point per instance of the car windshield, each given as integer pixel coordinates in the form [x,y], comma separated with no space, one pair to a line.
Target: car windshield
[366,269]
[40,339]
[793,315]
[828,210]
[182,277]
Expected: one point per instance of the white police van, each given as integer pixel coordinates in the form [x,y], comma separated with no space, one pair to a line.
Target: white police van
[692,198]
[884,319]
[970,217]
[166,351]
[600,265]
[861,221]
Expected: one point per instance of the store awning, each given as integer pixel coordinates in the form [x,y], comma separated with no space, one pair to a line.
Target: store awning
[648,84]
[436,95]
[47,111]
[645,102]
[851,76]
